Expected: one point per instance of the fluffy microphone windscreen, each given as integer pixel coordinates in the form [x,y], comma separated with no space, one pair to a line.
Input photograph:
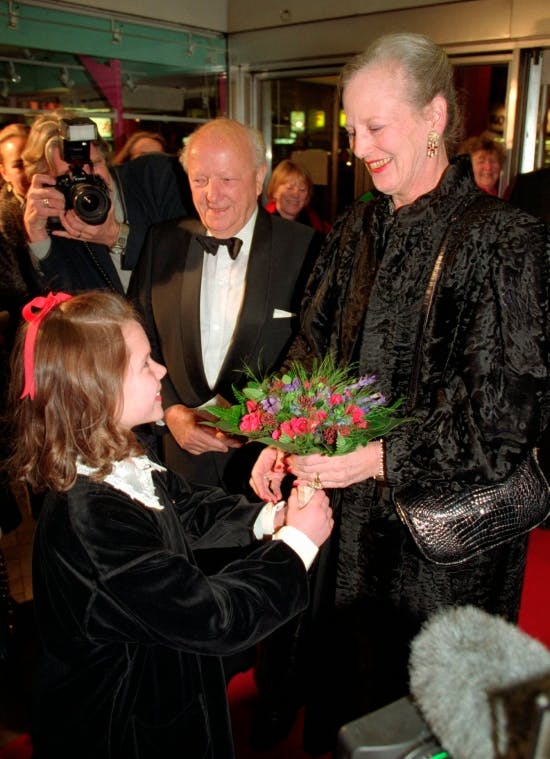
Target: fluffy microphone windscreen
[459,657]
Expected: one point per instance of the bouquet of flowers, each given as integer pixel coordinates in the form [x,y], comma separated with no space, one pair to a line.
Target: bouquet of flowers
[325,411]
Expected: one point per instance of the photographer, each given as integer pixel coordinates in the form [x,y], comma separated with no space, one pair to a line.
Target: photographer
[96,243]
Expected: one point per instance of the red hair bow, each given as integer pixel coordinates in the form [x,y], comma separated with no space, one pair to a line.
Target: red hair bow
[34,313]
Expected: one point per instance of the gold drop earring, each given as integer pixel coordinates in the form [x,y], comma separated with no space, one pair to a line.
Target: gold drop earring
[433,143]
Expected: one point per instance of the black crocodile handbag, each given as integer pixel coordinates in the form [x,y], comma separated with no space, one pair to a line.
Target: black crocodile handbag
[454,526]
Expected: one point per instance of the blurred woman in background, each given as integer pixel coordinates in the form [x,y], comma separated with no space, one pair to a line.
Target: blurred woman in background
[487,158]
[139,144]
[289,194]
[17,283]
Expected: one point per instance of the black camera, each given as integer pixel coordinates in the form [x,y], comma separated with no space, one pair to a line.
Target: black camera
[86,193]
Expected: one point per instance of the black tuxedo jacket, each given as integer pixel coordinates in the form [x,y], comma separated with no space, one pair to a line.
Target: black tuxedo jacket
[531,193]
[166,286]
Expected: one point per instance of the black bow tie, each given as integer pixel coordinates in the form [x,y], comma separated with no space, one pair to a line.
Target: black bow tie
[211,244]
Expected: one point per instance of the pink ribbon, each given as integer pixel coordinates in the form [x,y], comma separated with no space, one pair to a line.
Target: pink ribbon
[34,313]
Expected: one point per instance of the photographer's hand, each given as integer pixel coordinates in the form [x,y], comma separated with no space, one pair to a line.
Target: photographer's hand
[42,201]
[100,234]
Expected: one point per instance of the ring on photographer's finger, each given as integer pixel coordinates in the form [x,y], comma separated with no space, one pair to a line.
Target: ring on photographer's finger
[45,201]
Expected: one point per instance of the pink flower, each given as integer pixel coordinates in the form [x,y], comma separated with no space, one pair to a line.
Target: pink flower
[251,405]
[335,399]
[356,414]
[286,429]
[299,425]
[317,420]
[251,422]
[276,434]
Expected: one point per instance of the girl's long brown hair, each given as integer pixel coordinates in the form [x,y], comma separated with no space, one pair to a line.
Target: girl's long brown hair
[80,361]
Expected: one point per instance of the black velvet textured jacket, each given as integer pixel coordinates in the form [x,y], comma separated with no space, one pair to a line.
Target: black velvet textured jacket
[132,629]
[484,392]
[483,399]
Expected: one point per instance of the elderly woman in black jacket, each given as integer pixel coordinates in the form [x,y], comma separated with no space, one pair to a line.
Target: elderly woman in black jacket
[479,392]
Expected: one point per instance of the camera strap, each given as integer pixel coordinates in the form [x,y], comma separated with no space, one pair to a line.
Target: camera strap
[120,203]
[106,278]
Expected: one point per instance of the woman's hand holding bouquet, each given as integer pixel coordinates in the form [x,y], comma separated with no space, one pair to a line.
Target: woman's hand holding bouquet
[318,426]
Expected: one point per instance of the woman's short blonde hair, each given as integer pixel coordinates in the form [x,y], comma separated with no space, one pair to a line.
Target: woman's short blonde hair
[487,143]
[80,358]
[284,171]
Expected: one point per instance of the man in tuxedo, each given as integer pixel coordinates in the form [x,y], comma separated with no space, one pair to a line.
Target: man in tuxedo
[211,310]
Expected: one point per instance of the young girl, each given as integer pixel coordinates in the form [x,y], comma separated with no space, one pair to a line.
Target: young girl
[131,629]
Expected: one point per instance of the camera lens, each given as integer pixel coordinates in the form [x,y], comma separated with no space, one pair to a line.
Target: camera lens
[91,203]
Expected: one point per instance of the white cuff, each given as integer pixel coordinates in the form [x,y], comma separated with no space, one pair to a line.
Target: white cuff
[299,542]
[265,521]
[40,249]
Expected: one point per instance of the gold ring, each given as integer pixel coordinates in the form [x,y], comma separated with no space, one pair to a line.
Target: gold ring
[45,201]
[317,484]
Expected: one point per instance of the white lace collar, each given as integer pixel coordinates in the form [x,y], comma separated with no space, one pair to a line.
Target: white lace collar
[133,477]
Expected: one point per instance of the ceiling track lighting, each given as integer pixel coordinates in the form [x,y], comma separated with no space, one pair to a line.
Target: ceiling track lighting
[65,79]
[15,78]
[13,15]
[116,32]
[129,82]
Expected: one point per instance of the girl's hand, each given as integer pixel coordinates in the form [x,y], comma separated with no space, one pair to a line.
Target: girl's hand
[315,521]
[267,474]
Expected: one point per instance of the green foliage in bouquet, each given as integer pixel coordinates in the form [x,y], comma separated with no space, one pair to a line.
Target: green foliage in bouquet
[326,410]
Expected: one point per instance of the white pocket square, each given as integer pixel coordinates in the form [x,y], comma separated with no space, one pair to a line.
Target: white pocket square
[278,313]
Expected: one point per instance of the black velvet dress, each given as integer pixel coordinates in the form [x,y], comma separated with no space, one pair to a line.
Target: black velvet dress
[483,399]
[132,630]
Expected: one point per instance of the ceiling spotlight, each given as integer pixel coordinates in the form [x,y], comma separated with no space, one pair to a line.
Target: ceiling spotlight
[13,15]
[116,32]
[129,82]
[15,78]
[65,78]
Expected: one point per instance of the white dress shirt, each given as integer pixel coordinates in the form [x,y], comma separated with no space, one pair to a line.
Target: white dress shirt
[222,292]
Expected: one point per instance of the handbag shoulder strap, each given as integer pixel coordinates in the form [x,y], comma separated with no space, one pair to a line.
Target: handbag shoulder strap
[463,208]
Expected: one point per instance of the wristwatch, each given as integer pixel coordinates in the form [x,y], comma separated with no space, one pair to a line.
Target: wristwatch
[120,245]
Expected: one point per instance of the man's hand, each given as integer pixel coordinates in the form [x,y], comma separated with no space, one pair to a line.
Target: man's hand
[193,437]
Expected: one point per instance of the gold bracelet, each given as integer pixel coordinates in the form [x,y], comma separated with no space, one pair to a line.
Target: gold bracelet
[381,474]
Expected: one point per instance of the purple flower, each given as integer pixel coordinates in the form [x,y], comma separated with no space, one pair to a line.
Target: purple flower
[365,381]
[294,385]
[271,404]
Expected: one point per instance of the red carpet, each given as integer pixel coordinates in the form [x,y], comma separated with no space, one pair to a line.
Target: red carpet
[242,695]
[534,620]
[534,617]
